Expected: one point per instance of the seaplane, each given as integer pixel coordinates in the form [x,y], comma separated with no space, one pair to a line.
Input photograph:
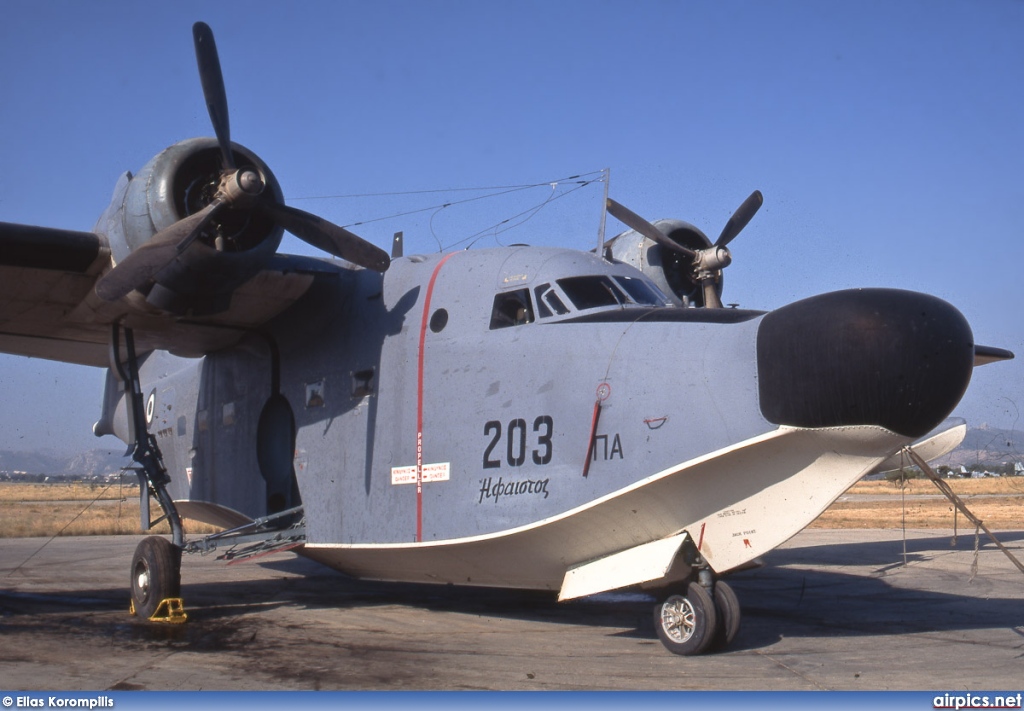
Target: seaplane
[570,420]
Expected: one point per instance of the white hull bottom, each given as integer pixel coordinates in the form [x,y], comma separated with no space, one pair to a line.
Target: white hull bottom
[738,503]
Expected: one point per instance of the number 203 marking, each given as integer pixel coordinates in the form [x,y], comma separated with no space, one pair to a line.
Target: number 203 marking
[516,443]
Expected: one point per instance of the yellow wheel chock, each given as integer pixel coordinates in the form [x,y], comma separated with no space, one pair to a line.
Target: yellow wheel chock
[171,611]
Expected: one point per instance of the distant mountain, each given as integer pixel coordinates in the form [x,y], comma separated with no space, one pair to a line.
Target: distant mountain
[988,446]
[96,461]
[31,462]
[92,463]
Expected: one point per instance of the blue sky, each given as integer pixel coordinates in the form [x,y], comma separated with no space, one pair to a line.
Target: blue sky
[886,138]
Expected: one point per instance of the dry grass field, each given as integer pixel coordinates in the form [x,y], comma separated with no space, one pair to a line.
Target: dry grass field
[75,509]
[998,502]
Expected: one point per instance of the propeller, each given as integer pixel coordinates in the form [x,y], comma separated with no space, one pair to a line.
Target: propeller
[239,189]
[706,262]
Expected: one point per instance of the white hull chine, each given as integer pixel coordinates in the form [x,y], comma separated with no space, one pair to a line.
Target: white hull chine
[738,504]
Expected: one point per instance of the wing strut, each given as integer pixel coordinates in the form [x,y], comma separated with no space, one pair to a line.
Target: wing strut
[962,507]
[153,476]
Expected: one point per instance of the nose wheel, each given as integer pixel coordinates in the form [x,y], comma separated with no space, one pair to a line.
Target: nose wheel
[692,620]
[727,606]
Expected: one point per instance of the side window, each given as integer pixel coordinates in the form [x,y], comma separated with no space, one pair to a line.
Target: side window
[548,302]
[511,308]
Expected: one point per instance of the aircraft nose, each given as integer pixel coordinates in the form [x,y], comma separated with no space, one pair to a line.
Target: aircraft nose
[897,359]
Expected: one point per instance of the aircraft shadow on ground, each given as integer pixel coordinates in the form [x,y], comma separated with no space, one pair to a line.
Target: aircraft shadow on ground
[796,594]
[889,551]
[788,597]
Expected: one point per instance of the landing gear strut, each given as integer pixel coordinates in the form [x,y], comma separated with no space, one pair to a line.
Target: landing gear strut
[691,620]
[156,565]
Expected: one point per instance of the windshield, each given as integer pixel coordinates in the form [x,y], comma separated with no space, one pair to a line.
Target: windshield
[641,292]
[591,292]
[570,294]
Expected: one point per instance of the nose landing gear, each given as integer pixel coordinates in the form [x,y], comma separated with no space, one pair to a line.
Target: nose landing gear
[691,620]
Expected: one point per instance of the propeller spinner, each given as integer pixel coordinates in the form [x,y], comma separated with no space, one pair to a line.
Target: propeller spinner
[240,190]
[706,263]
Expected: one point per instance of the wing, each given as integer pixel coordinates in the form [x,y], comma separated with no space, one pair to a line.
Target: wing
[937,443]
[984,355]
[45,274]
[49,307]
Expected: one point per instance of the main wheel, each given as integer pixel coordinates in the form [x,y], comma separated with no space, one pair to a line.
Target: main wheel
[686,622]
[727,605]
[156,574]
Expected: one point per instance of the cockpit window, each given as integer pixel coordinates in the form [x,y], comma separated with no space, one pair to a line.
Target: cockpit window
[640,291]
[511,308]
[579,293]
[548,302]
[590,292]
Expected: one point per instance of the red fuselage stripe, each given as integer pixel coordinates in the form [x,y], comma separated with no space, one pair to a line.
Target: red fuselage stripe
[419,397]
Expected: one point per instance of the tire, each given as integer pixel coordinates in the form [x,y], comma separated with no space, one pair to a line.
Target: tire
[727,606]
[155,574]
[686,622]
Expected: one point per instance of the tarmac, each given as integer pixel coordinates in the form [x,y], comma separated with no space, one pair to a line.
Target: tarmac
[830,610]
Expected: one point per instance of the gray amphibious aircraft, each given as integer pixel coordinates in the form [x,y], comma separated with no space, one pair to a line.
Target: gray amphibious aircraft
[514,417]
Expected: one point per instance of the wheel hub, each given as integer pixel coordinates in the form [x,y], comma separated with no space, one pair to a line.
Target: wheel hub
[142,581]
[678,619]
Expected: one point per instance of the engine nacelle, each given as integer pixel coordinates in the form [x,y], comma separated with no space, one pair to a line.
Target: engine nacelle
[671,271]
[179,182]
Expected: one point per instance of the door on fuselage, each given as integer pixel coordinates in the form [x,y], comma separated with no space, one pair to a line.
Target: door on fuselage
[245,436]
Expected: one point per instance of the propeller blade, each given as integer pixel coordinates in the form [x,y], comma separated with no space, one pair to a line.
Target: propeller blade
[635,222]
[328,236]
[740,218]
[213,88]
[143,263]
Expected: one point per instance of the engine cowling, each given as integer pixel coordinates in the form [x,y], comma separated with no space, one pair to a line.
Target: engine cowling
[181,181]
[671,271]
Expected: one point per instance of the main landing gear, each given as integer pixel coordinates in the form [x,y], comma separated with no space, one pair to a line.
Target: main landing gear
[693,619]
[156,565]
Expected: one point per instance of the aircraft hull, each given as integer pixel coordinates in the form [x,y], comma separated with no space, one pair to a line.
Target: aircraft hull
[737,504]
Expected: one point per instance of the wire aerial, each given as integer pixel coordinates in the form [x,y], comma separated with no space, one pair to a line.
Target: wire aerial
[581,179]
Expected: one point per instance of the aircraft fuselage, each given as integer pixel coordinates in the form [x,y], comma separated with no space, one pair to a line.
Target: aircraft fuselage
[463,401]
